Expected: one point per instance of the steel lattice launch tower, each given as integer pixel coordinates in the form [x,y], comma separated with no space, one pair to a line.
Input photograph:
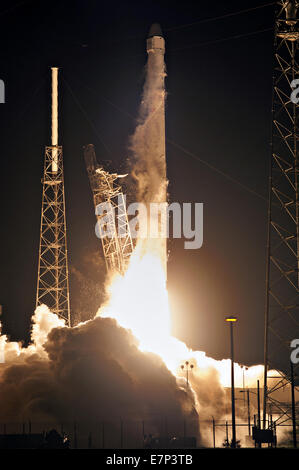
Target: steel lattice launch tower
[52,280]
[112,223]
[282,275]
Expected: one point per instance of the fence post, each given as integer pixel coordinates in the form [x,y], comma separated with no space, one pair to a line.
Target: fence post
[214,434]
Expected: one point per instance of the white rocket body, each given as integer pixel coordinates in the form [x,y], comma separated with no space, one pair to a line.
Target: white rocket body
[154,100]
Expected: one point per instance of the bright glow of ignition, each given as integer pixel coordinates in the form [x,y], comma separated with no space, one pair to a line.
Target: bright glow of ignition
[139,302]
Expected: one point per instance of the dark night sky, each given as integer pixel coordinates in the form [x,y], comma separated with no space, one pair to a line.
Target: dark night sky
[218,108]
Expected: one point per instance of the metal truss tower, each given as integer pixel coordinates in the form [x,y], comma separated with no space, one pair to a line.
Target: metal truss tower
[52,280]
[282,273]
[112,221]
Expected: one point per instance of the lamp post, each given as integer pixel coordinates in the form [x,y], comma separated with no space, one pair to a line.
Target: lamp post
[188,367]
[231,320]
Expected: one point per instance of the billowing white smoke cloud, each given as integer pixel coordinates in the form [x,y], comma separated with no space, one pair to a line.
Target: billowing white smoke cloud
[95,373]
[91,373]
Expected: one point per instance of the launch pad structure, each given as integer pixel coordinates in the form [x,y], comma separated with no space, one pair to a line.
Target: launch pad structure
[110,209]
[282,268]
[53,277]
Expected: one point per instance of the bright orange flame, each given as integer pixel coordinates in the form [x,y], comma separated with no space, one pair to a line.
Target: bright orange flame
[139,302]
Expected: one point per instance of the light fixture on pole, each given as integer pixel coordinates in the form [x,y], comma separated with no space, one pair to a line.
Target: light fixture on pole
[231,320]
[188,368]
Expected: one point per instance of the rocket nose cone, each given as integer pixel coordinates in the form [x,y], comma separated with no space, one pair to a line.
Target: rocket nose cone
[155,30]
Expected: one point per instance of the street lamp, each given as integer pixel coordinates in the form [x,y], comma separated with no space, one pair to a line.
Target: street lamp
[188,367]
[231,320]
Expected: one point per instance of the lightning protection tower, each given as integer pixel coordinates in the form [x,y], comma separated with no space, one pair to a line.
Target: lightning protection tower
[282,273]
[52,280]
